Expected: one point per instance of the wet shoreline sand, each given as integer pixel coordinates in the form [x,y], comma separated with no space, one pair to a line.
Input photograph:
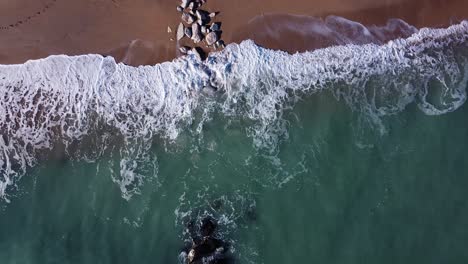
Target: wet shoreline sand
[135,32]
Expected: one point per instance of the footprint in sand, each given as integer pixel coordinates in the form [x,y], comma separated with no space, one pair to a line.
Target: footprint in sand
[29,18]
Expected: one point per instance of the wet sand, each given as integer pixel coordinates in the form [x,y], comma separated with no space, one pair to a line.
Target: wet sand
[136,31]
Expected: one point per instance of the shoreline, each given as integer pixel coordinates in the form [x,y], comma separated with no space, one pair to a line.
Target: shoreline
[135,33]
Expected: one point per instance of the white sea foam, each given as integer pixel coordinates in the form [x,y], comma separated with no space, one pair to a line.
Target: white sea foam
[64,99]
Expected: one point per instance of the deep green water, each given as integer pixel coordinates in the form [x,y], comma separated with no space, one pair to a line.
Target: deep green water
[336,191]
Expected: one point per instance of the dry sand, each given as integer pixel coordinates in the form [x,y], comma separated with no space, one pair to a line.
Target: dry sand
[135,31]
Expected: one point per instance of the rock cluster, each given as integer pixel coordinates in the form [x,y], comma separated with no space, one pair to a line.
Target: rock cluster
[205,247]
[198,25]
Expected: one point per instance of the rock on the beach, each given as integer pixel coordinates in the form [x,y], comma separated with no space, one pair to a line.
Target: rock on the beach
[185,3]
[184,49]
[220,44]
[180,9]
[216,26]
[196,33]
[202,16]
[188,32]
[197,37]
[196,52]
[188,18]
[193,6]
[180,31]
[212,15]
[211,38]
[203,29]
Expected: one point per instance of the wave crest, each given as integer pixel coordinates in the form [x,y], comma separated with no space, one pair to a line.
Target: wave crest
[65,99]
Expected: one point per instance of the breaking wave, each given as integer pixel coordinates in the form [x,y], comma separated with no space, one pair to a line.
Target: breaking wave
[62,101]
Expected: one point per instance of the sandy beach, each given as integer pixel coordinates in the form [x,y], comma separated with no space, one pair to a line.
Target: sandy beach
[136,32]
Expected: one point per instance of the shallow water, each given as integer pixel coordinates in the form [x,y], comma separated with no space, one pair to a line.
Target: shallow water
[367,169]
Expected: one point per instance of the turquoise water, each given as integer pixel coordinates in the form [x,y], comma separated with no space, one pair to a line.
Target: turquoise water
[334,191]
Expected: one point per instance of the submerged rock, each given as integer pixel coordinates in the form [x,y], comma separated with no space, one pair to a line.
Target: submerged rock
[205,248]
[209,90]
[208,226]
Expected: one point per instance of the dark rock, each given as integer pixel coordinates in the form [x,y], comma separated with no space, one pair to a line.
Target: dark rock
[220,44]
[216,26]
[208,226]
[188,32]
[211,38]
[188,18]
[202,16]
[185,3]
[207,247]
[191,227]
[199,53]
[193,6]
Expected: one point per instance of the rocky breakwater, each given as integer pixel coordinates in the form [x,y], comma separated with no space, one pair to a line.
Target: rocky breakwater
[198,30]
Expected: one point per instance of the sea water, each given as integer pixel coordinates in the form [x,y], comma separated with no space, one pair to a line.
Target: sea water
[348,154]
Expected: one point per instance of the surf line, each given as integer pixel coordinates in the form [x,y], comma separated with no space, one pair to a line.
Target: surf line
[28,18]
